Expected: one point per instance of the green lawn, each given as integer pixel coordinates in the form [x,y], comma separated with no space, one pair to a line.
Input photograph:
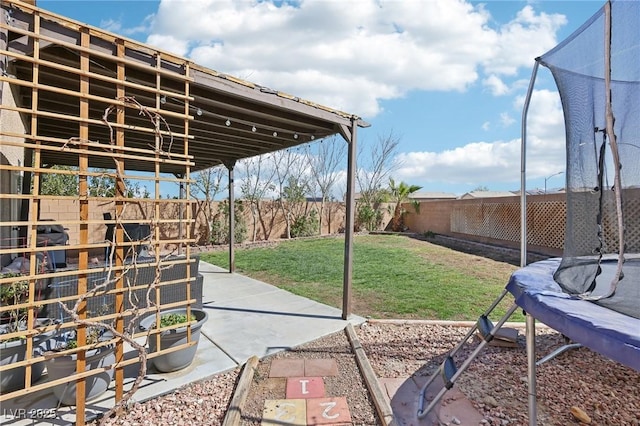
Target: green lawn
[393,276]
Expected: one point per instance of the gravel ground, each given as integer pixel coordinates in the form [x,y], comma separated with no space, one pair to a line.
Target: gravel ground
[199,404]
[495,382]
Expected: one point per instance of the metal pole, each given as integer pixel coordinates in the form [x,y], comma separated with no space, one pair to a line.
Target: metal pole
[523,169]
[531,368]
[530,330]
[349,222]
[232,220]
[547,178]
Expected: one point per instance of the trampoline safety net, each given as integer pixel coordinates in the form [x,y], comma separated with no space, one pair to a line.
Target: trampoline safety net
[597,71]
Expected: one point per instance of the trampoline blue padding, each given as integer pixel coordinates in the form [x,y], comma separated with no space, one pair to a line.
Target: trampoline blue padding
[610,333]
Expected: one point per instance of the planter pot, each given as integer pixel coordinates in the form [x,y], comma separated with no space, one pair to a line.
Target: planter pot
[65,366]
[181,358]
[15,351]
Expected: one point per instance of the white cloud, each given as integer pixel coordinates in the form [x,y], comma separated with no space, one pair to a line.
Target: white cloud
[115,26]
[355,60]
[546,134]
[111,25]
[169,43]
[476,162]
[352,61]
[497,161]
[527,36]
[496,86]
[506,120]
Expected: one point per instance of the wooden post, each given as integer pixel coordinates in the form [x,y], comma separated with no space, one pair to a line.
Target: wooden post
[4,38]
[34,208]
[83,192]
[119,234]
[187,194]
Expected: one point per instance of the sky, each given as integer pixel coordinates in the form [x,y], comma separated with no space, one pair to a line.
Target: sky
[447,78]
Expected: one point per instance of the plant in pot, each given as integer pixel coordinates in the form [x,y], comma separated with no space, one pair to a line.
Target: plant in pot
[61,362]
[14,292]
[173,337]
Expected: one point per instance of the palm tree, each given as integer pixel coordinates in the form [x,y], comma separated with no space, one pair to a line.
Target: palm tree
[400,194]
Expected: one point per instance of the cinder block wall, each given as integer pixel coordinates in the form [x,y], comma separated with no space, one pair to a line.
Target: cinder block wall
[68,210]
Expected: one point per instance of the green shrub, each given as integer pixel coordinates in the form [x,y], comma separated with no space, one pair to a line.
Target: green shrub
[220,226]
[368,218]
[172,319]
[305,226]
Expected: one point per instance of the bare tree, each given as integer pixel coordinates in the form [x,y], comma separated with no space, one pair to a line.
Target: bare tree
[292,185]
[256,182]
[375,169]
[373,172]
[329,155]
[207,184]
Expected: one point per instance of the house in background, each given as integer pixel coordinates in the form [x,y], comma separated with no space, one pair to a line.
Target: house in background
[431,196]
[486,194]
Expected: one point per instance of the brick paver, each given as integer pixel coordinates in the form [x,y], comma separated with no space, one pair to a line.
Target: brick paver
[320,367]
[306,402]
[328,411]
[287,367]
[305,387]
[284,412]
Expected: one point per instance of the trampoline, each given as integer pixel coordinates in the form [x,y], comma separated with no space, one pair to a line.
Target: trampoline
[592,294]
[608,332]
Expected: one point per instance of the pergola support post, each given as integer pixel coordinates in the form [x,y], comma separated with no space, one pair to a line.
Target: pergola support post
[181,213]
[350,137]
[232,219]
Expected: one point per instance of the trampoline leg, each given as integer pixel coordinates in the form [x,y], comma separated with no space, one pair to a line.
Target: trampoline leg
[557,352]
[531,363]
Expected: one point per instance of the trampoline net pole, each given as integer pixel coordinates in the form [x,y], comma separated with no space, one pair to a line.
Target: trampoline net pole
[523,168]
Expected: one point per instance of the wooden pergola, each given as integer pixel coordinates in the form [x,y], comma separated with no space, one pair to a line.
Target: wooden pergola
[84,97]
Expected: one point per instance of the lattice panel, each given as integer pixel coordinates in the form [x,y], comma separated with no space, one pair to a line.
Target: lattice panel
[495,220]
[545,222]
[584,238]
[631,214]
[466,219]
